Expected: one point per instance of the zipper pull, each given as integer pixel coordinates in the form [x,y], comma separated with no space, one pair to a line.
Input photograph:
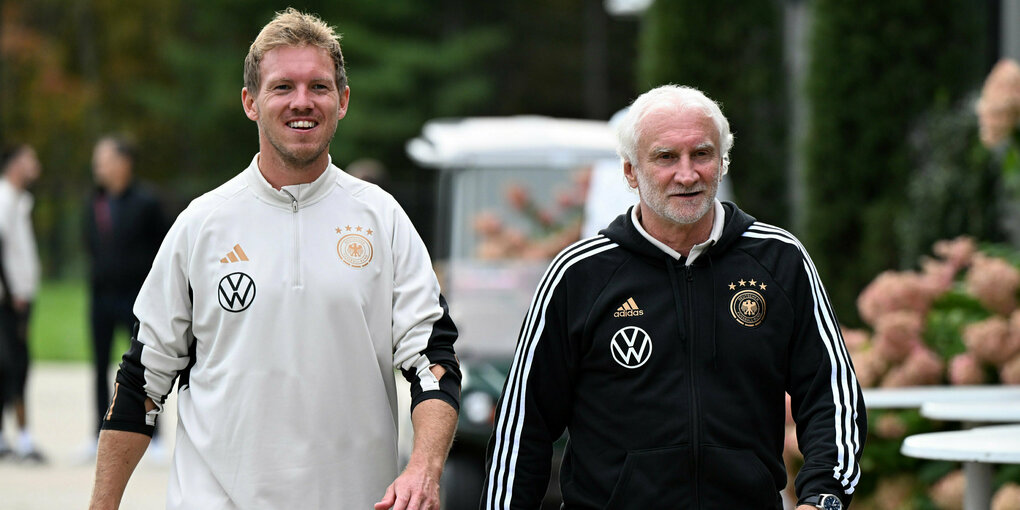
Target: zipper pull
[293,200]
[690,273]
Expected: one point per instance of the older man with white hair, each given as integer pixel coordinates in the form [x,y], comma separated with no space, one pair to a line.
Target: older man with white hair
[665,346]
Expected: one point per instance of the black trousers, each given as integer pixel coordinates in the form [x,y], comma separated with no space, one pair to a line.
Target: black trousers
[13,355]
[110,309]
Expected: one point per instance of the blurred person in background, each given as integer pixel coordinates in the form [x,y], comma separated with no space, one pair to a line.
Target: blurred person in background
[666,344]
[369,170]
[19,281]
[124,226]
[283,301]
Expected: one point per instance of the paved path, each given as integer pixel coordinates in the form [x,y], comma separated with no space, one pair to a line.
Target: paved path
[60,413]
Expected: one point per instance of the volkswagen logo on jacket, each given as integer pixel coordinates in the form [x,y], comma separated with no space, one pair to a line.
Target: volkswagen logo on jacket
[631,347]
[237,292]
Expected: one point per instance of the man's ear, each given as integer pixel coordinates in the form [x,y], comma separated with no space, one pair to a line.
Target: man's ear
[628,172]
[248,102]
[345,98]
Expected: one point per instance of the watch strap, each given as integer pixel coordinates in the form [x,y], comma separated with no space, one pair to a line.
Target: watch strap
[811,500]
[816,500]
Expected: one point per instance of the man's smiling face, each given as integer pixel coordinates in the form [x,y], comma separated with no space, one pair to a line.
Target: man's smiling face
[297,106]
[678,166]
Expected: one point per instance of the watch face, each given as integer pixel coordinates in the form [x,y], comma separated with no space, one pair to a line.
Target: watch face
[831,503]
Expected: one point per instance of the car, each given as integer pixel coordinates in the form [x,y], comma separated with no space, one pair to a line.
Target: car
[512,194]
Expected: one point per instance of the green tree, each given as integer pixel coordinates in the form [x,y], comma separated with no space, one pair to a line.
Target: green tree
[42,102]
[876,68]
[954,184]
[736,59]
[169,73]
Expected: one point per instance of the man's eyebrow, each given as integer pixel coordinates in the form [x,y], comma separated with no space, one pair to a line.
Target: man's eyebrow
[670,150]
[288,79]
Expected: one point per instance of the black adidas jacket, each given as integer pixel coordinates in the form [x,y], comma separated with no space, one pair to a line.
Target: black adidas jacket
[120,259]
[670,379]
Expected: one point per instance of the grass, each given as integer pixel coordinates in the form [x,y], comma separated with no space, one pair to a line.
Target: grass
[59,330]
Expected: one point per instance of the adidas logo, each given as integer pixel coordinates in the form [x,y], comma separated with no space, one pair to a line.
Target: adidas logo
[235,255]
[628,309]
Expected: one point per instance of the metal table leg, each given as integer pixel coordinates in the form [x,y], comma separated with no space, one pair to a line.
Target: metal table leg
[978,493]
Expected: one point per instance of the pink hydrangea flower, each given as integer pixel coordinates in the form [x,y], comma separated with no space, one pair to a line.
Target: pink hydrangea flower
[895,491]
[1013,337]
[999,107]
[965,369]
[956,252]
[947,493]
[1007,497]
[987,340]
[893,291]
[1010,371]
[937,276]
[922,367]
[927,365]
[869,367]
[994,282]
[897,333]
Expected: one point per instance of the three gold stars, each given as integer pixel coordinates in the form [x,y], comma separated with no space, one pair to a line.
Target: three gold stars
[745,283]
[349,228]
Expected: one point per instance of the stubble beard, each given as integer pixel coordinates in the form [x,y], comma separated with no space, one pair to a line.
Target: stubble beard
[658,202]
[299,159]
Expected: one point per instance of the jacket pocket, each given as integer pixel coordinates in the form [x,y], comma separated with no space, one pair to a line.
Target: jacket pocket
[654,478]
[737,479]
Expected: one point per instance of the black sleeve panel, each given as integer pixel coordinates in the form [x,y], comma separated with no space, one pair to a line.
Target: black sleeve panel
[127,407]
[439,351]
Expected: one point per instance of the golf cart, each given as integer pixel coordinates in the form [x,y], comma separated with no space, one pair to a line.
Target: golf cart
[512,193]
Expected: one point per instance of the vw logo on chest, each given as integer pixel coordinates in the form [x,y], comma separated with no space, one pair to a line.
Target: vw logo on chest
[631,347]
[236,292]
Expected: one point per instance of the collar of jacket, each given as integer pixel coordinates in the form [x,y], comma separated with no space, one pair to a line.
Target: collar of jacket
[623,232]
[304,194]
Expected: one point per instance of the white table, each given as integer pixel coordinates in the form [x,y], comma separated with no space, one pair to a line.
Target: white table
[977,472]
[916,396]
[983,411]
[977,448]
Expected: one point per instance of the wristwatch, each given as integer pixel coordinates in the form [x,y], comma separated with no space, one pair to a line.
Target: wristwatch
[824,501]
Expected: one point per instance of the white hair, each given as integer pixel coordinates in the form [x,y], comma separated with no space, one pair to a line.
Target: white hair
[674,98]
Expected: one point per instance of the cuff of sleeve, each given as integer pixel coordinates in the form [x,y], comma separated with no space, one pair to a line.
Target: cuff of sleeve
[449,392]
[129,426]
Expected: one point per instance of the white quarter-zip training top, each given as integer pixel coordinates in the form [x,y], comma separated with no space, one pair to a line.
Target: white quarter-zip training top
[285,313]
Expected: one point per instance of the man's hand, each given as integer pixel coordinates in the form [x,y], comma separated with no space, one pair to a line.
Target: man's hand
[417,488]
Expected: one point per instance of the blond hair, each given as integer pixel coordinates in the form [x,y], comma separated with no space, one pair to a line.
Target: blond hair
[293,28]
